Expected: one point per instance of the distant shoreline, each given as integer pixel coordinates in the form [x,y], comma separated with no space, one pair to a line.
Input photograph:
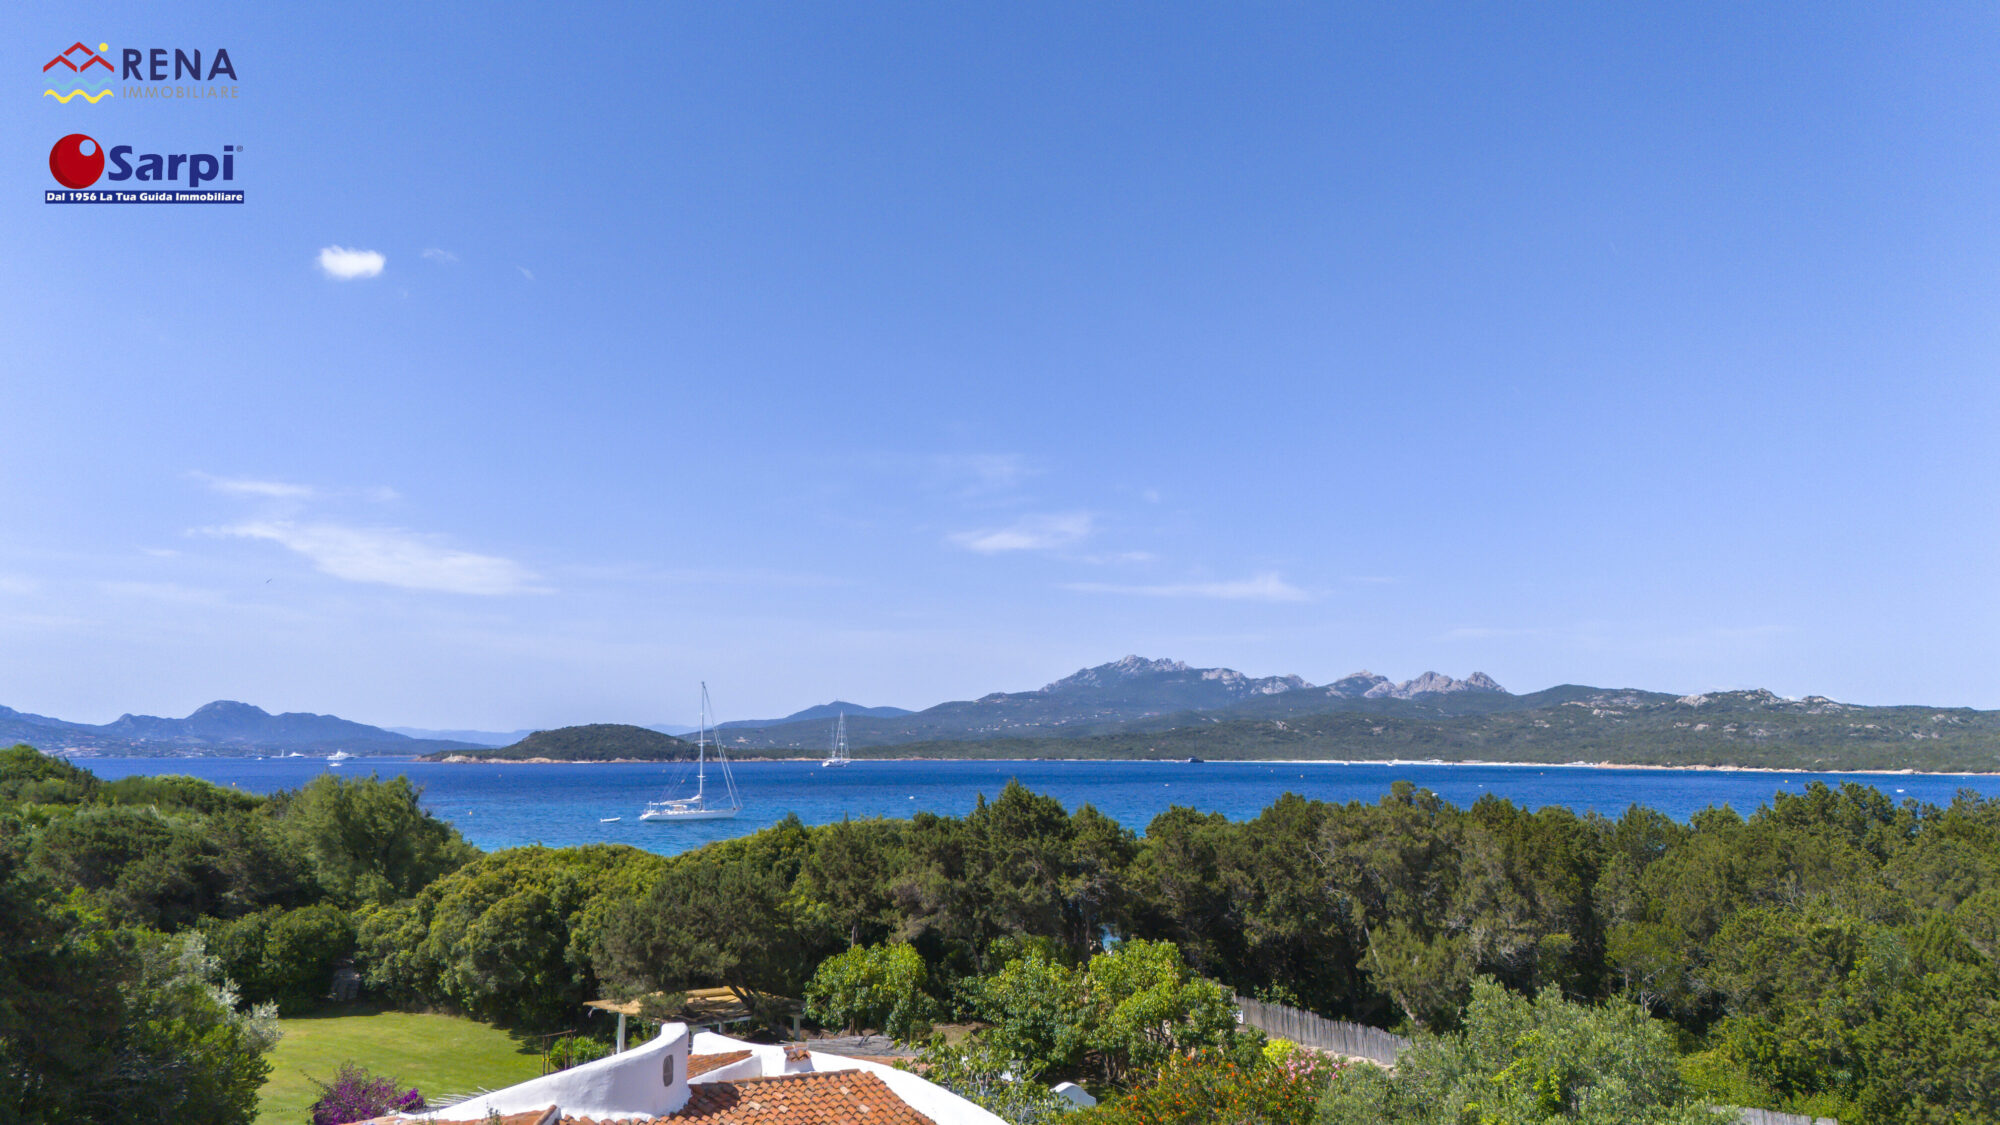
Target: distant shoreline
[468,760]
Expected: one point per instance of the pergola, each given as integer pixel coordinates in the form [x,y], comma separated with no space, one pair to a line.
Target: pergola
[713,1008]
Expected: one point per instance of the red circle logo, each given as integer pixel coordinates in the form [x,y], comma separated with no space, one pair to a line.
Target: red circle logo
[76,161]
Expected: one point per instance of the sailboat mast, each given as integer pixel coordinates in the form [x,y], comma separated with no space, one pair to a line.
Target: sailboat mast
[701,745]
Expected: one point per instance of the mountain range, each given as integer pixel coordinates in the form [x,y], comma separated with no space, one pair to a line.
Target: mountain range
[225,727]
[1110,696]
[1138,707]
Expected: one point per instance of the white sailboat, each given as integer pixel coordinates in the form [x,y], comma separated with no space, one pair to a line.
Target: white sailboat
[839,755]
[700,806]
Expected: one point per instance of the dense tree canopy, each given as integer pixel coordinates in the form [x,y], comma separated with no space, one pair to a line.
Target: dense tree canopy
[1835,952]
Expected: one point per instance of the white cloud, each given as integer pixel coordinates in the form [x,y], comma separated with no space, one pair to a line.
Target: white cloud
[526,272]
[343,264]
[1029,533]
[262,489]
[392,557]
[1261,588]
[436,255]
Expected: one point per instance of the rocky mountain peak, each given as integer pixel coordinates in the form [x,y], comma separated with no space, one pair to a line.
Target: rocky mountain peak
[1125,668]
[1430,683]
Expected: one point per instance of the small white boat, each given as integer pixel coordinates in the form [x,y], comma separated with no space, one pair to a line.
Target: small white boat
[609,819]
[838,757]
[699,806]
[337,757]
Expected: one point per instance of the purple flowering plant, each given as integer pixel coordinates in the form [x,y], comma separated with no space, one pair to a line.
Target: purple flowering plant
[356,1095]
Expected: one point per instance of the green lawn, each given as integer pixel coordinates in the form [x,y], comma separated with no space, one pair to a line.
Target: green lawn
[436,1054]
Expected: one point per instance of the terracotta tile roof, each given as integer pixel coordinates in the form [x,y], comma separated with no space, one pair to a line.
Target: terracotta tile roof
[835,1097]
[699,1065]
[797,1052]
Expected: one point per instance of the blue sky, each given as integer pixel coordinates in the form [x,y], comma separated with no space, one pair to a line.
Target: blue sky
[908,352]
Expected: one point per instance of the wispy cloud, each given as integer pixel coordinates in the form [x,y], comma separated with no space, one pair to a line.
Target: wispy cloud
[1260,588]
[343,264]
[526,272]
[260,489]
[1029,533]
[392,557]
[434,254]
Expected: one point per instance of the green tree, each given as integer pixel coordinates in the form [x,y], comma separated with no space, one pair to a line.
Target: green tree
[849,878]
[873,986]
[1039,1009]
[502,938]
[368,840]
[723,916]
[1145,1006]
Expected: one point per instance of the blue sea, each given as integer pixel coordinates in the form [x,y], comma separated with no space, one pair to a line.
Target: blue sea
[499,806]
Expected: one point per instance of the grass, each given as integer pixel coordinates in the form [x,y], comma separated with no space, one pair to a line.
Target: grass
[437,1054]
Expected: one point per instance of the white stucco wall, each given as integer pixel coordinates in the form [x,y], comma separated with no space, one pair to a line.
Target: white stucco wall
[765,1058]
[623,1086]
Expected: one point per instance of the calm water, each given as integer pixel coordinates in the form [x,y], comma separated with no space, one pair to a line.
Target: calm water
[499,806]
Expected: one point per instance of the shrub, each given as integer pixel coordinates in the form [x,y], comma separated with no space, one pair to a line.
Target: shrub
[300,949]
[575,1050]
[1205,1086]
[356,1095]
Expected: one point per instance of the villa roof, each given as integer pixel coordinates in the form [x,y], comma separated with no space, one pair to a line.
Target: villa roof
[834,1097]
[699,1065]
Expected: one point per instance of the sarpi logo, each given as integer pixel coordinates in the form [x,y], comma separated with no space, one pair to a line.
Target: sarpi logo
[77,161]
[78,67]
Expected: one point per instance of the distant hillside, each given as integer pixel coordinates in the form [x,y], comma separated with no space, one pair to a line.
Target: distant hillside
[475,737]
[825,712]
[592,742]
[1754,729]
[222,727]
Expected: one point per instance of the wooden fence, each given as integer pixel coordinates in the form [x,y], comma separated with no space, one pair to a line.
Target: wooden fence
[1335,1037]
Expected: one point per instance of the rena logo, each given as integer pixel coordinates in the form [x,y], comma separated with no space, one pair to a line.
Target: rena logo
[77,161]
